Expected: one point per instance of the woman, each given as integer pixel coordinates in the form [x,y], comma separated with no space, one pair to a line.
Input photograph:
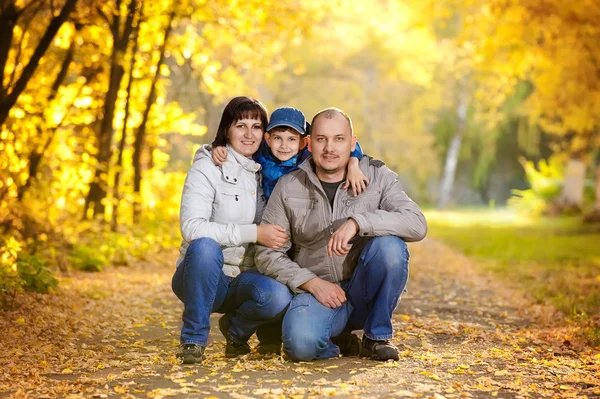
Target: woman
[220,210]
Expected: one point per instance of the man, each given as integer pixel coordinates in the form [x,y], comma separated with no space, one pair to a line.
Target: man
[347,261]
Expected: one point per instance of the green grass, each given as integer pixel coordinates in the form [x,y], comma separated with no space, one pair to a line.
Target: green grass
[556,259]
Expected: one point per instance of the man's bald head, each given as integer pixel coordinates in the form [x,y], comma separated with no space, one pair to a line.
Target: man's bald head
[330,113]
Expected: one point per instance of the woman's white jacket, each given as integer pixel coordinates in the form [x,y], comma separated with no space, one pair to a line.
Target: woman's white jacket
[224,203]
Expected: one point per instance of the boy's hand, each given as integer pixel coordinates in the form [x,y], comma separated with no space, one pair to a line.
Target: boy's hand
[219,155]
[356,178]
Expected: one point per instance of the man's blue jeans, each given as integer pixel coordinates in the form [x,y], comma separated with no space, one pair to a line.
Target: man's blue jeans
[253,300]
[372,294]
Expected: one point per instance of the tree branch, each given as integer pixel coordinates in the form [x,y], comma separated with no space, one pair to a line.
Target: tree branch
[41,48]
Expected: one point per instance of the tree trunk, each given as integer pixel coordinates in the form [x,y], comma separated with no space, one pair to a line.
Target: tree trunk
[37,153]
[140,136]
[597,202]
[571,197]
[8,100]
[8,20]
[594,215]
[119,166]
[450,170]
[99,186]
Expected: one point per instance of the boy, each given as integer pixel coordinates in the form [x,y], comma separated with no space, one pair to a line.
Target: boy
[284,148]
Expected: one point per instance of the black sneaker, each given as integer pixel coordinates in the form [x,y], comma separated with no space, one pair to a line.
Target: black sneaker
[269,348]
[232,349]
[379,350]
[269,339]
[191,353]
[348,343]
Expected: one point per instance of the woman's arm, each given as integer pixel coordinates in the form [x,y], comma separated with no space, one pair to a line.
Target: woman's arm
[196,209]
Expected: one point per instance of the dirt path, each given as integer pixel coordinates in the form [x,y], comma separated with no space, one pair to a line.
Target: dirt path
[461,334]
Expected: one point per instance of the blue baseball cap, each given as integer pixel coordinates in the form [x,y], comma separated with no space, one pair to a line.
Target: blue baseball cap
[291,117]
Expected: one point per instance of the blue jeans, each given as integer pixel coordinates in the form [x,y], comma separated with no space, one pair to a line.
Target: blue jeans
[372,293]
[252,300]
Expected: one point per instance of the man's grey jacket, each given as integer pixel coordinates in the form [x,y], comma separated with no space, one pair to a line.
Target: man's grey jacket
[299,204]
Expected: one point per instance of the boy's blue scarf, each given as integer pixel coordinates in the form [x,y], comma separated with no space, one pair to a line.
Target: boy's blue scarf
[273,169]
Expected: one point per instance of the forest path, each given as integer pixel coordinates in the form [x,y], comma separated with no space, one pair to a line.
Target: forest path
[461,333]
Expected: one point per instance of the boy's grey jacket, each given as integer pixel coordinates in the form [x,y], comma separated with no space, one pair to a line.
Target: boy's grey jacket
[224,203]
[299,204]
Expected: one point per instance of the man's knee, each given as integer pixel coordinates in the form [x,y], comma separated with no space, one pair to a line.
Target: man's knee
[303,336]
[301,346]
[390,252]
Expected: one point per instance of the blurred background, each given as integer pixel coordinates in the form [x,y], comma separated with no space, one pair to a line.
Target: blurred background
[488,110]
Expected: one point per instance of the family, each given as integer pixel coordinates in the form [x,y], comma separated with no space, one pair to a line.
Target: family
[293,234]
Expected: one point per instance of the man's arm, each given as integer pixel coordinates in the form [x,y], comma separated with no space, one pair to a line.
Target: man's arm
[275,262]
[398,214]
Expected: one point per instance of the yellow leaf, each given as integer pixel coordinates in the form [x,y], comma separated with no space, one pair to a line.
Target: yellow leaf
[67,371]
[406,394]
[20,320]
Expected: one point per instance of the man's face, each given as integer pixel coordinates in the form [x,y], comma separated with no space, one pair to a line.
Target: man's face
[331,143]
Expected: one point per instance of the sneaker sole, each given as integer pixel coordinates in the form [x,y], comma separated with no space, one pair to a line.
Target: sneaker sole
[372,356]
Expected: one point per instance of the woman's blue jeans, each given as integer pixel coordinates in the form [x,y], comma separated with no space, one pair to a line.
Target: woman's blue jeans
[252,300]
[372,293]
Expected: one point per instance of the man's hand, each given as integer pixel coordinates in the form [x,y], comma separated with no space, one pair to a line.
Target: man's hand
[271,235]
[355,178]
[219,155]
[338,243]
[328,294]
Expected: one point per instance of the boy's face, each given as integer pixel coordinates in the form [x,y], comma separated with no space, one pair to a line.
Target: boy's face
[284,144]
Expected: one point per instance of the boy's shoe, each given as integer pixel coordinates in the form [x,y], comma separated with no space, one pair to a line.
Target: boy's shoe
[232,348]
[379,350]
[191,353]
[348,343]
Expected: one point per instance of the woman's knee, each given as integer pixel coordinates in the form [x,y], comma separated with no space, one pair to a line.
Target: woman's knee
[204,245]
[273,296]
[203,253]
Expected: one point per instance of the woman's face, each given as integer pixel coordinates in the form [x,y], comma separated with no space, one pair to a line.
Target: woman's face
[245,136]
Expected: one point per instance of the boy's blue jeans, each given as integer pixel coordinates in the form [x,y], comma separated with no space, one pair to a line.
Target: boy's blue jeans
[372,294]
[252,300]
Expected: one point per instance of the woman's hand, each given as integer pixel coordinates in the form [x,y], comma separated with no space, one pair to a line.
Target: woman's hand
[355,178]
[271,235]
[219,155]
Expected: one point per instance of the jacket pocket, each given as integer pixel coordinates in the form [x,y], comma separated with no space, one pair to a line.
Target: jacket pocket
[231,206]
[365,201]
[299,210]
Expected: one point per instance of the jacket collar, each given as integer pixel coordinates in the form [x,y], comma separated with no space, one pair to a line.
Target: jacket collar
[234,165]
[308,166]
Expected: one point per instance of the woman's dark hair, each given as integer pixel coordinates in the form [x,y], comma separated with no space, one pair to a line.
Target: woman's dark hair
[239,108]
